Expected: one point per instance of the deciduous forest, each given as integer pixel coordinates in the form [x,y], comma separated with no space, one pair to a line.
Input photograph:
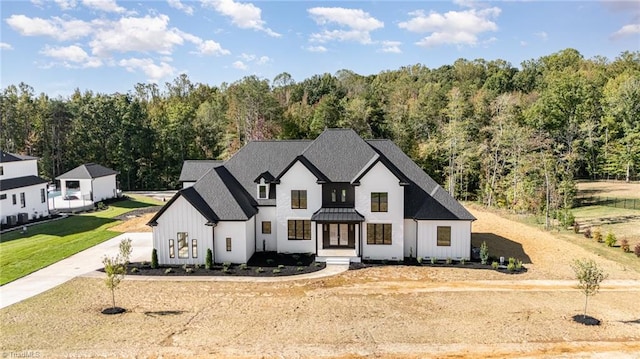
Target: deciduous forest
[508,137]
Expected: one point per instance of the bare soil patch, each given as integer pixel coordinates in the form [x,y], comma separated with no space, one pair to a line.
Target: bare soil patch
[617,189]
[382,312]
[135,222]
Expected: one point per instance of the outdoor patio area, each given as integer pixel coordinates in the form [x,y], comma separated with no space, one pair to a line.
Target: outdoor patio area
[72,202]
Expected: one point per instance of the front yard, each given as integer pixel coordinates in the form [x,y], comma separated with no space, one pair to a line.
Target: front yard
[47,243]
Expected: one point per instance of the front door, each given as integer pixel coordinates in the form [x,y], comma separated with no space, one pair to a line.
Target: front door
[339,235]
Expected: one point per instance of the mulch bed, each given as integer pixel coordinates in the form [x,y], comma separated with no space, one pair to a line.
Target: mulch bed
[440,263]
[586,319]
[261,264]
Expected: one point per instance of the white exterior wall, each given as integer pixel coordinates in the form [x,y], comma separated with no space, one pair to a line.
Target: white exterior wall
[380,179]
[104,188]
[460,240]
[33,202]
[298,177]
[181,216]
[410,227]
[237,231]
[267,214]
[250,236]
[17,169]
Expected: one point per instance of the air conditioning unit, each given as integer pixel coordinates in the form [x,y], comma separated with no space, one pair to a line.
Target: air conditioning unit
[23,218]
[12,220]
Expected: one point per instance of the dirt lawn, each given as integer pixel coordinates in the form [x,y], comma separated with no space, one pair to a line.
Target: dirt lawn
[617,189]
[382,312]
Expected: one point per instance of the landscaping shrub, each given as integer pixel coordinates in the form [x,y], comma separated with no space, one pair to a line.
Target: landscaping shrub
[208,262]
[300,269]
[276,271]
[448,260]
[433,260]
[597,235]
[154,258]
[624,244]
[511,267]
[419,260]
[168,270]
[576,227]
[484,253]
[259,270]
[636,250]
[610,240]
[518,264]
[566,218]
[280,266]
[587,233]
[134,270]
[463,261]
[243,266]
[494,265]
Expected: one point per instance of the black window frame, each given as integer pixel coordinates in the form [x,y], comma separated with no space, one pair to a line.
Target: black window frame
[183,237]
[3,196]
[14,199]
[43,197]
[266,224]
[301,230]
[447,241]
[379,233]
[379,200]
[23,200]
[228,242]
[194,248]
[266,191]
[172,248]
[298,199]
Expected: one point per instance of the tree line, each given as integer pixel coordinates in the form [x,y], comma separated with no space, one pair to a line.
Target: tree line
[508,137]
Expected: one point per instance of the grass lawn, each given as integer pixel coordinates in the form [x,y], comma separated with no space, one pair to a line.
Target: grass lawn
[48,243]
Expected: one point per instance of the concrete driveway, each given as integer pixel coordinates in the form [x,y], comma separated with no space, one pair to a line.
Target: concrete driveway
[80,263]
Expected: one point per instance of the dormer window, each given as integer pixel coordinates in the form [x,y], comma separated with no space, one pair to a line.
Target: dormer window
[263,191]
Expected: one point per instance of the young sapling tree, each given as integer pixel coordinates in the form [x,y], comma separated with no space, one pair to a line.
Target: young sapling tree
[589,277]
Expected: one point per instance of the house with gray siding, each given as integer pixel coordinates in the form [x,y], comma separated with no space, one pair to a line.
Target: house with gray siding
[338,196]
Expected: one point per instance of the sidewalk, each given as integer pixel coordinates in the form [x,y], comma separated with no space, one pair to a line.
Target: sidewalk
[78,264]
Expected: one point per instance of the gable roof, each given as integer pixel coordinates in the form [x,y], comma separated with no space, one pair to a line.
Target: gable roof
[424,198]
[192,170]
[88,171]
[340,154]
[193,197]
[18,182]
[258,157]
[13,157]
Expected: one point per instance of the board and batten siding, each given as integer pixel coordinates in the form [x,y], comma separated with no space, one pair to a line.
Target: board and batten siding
[104,188]
[237,231]
[410,227]
[181,216]
[380,179]
[460,240]
[266,214]
[298,177]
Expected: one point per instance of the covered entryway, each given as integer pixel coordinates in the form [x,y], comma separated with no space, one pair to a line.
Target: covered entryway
[338,233]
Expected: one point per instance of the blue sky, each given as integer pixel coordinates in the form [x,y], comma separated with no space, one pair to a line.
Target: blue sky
[109,45]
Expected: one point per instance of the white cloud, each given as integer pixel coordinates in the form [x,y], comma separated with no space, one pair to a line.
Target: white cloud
[358,24]
[317,49]
[104,5]
[154,72]
[176,4]
[391,47]
[523,43]
[453,27]
[542,35]
[243,15]
[55,27]
[210,47]
[66,4]
[71,54]
[5,46]
[141,34]
[247,57]
[263,60]
[627,30]
[239,65]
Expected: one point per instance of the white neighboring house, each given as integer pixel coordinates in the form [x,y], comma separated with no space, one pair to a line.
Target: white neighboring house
[90,181]
[23,195]
[336,196]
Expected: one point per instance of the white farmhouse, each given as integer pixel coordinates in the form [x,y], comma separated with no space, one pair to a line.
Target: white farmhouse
[336,196]
[90,181]
[23,195]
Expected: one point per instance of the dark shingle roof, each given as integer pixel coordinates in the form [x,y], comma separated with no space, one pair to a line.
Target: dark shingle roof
[258,157]
[226,197]
[340,154]
[12,157]
[88,171]
[423,197]
[193,197]
[192,170]
[11,183]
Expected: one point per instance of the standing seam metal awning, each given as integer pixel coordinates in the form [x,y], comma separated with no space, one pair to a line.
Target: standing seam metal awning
[337,215]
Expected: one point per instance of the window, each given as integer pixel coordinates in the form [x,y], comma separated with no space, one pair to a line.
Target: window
[172,249]
[444,236]
[343,196]
[334,196]
[23,202]
[262,191]
[228,244]
[298,199]
[299,229]
[43,195]
[379,201]
[1,171]
[194,248]
[266,227]
[3,196]
[378,233]
[183,245]
[13,198]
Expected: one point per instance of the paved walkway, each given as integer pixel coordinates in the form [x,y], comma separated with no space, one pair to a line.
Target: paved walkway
[86,263]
